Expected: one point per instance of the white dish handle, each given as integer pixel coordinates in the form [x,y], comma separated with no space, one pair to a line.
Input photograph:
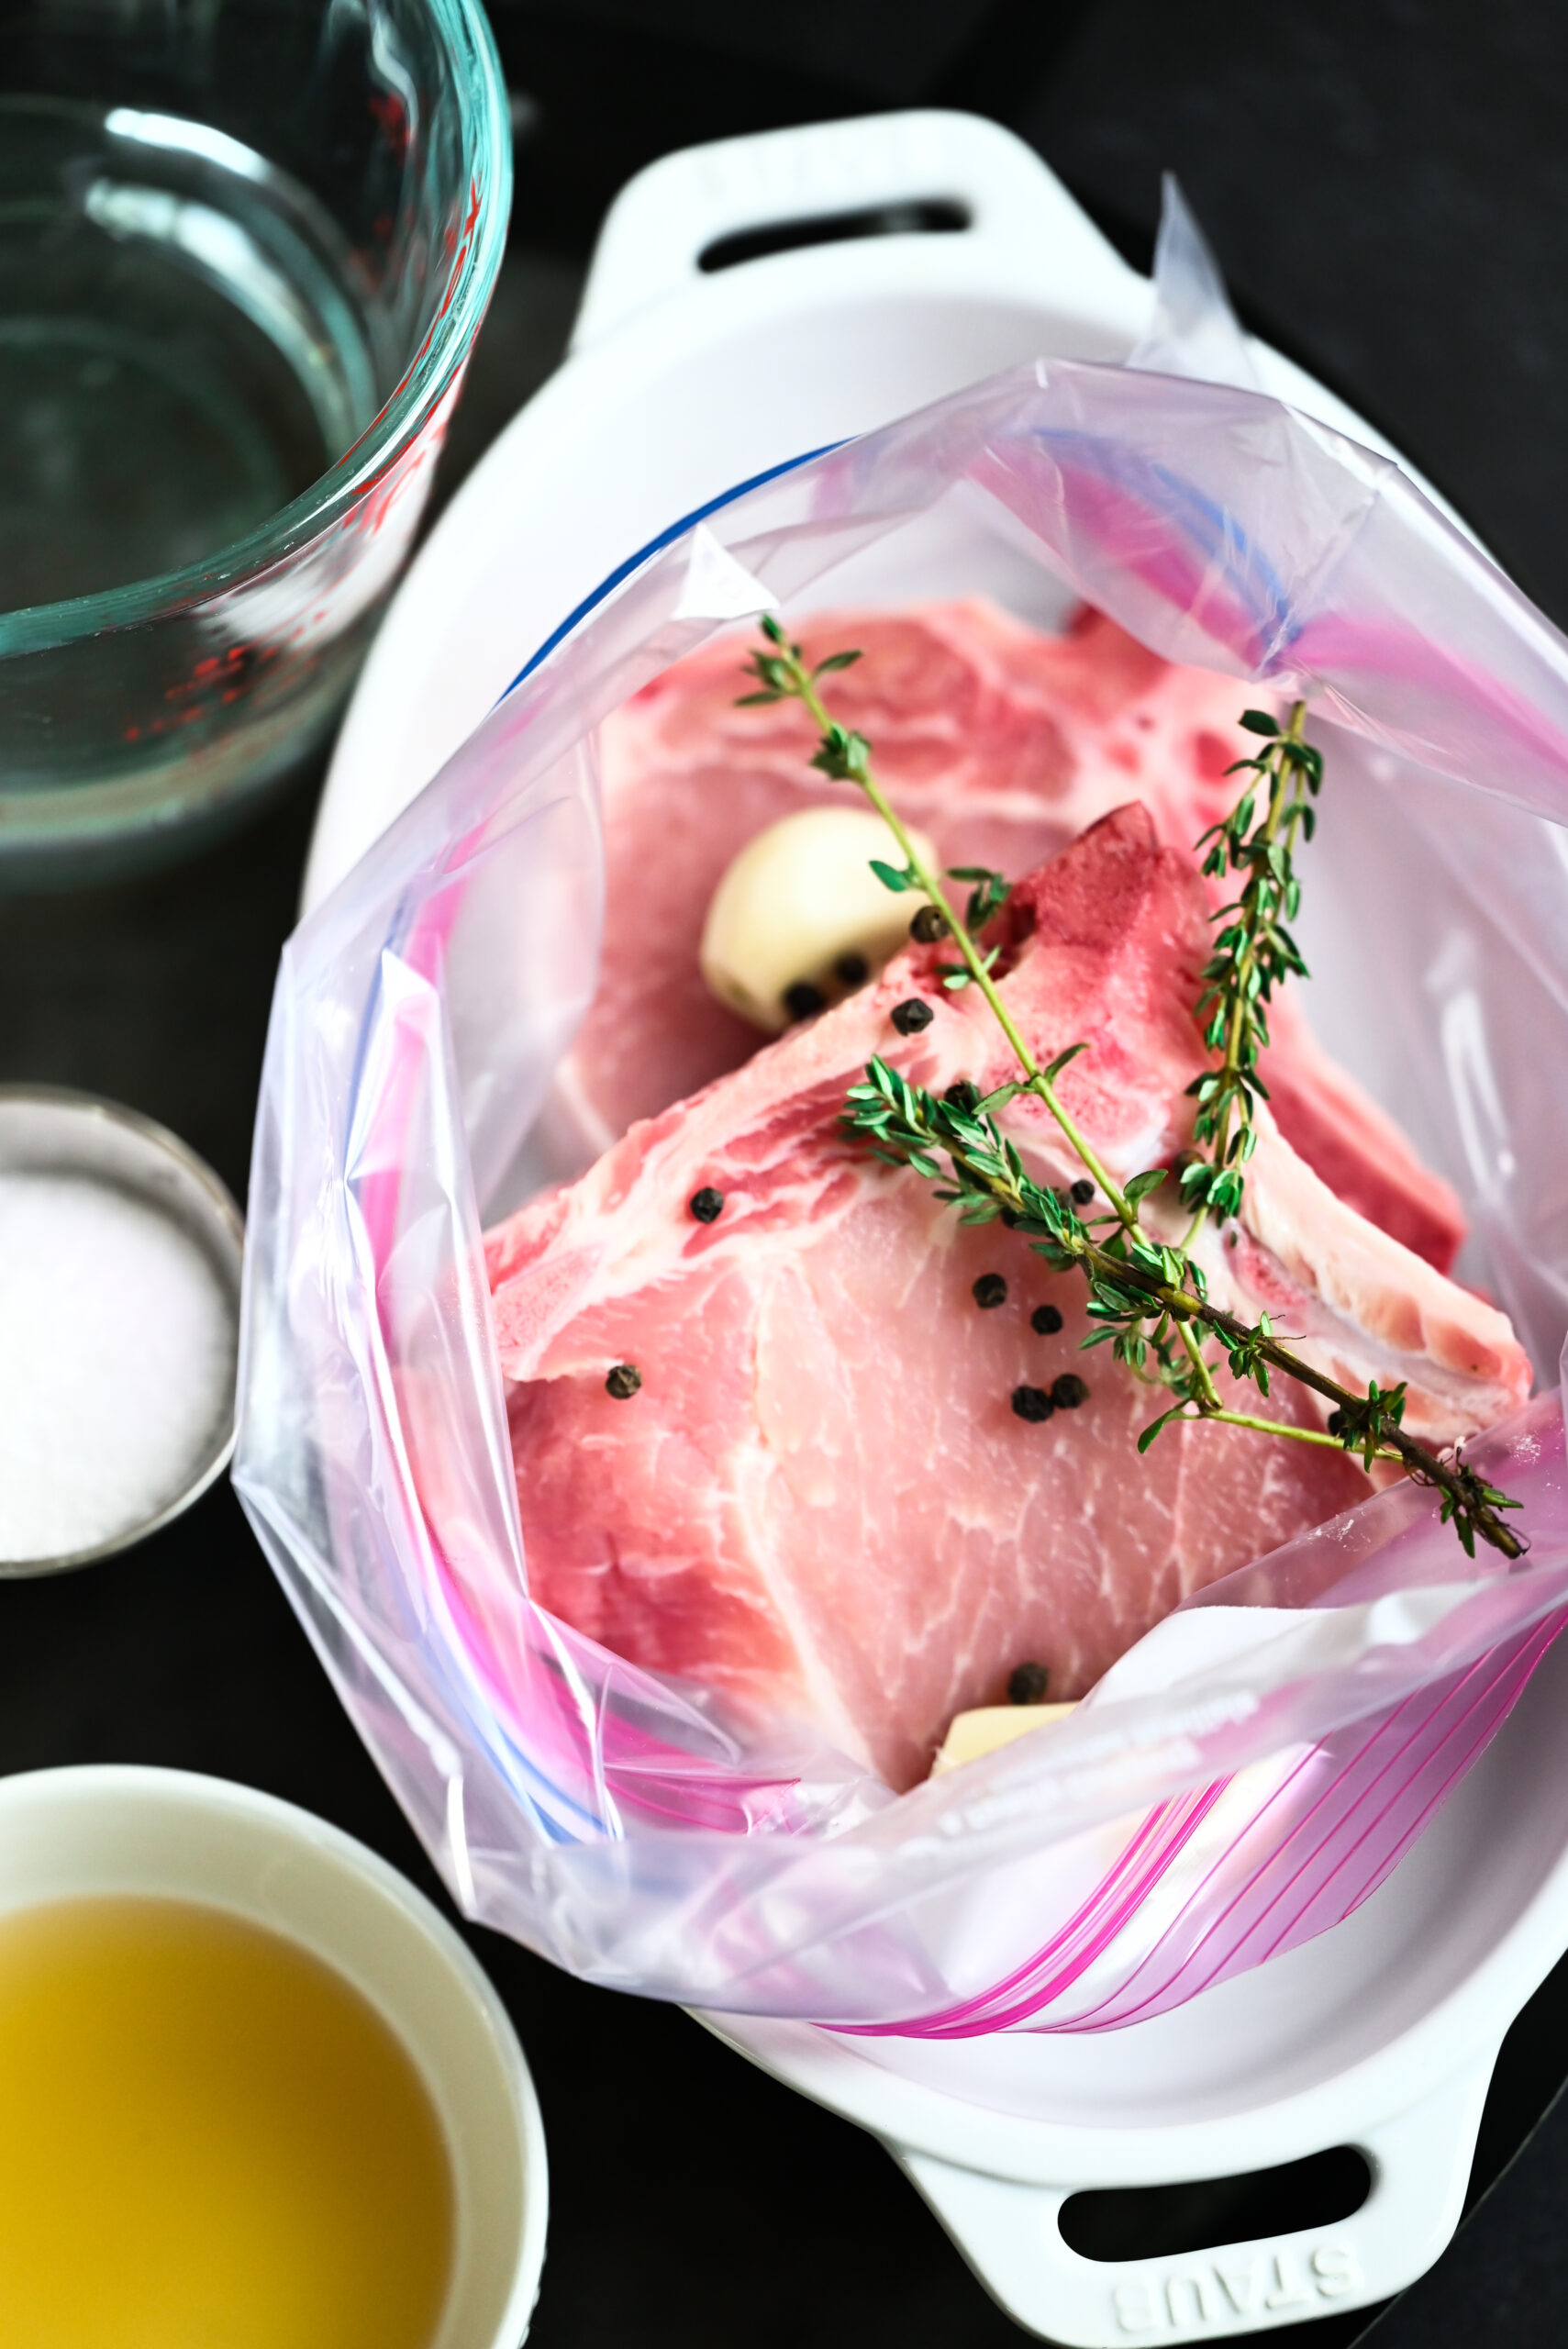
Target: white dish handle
[1010,2235]
[1019,214]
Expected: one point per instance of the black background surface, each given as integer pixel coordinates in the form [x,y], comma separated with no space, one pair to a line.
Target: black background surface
[1386,185]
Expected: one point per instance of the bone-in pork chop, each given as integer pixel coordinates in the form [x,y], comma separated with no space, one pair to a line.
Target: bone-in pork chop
[821,1500]
[1002,743]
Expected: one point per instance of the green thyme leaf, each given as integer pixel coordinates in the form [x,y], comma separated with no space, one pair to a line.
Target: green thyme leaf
[1154,1427]
[1061,1060]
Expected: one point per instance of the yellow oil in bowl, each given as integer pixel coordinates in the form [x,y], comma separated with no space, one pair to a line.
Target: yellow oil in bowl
[206,2136]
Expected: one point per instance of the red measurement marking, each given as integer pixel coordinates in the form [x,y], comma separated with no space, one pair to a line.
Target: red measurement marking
[388,110]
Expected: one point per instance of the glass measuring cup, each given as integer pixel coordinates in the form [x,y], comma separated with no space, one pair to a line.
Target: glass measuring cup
[245,247]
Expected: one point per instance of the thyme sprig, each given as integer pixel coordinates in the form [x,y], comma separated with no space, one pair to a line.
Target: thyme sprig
[1146,1294]
[1253,954]
[782,674]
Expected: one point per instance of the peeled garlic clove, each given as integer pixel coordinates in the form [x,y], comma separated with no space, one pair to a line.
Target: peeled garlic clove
[799,899]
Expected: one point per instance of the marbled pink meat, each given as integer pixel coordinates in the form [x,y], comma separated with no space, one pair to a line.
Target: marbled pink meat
[1003,743]
[822,1501]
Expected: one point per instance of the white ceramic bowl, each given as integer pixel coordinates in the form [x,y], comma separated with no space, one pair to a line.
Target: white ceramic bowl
[67,1834]
[48,1130]
[679,384]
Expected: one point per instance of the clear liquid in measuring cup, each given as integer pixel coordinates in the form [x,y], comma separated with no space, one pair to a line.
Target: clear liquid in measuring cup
[186,343]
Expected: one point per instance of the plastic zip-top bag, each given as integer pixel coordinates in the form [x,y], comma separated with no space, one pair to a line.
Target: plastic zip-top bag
[1257,1764]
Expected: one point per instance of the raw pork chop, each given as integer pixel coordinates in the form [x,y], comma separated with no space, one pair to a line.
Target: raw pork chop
[822,1501]
[1003,744]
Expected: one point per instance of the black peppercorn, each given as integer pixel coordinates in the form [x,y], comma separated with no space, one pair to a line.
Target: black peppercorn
[707,1205]
[911,1017]
[623,1381]
[1335,1423]
[990,1289]
[852,970]
[929,924]
[1011,1216]
[1068,1391]
[963,1094]
[1046,1320]
[1026,1684]
[1083,1191]
[803,1001]
[1032,1403]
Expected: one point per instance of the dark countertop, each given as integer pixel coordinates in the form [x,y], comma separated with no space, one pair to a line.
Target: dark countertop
[1384,183]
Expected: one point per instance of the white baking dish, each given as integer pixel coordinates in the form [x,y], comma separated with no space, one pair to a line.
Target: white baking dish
[1383,2034]
[679,384]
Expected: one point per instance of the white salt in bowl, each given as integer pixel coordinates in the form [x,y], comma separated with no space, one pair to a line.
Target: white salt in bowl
[119,1303]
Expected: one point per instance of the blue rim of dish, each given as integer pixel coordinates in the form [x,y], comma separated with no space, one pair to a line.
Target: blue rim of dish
[666,538]
[1206,522]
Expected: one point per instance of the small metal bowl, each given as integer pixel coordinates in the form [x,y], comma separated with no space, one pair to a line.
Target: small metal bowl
[47,1129]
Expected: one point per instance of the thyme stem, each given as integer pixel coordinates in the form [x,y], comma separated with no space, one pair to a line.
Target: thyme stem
[1037,1080]
[1134,1278]
[1246,961]
[1254,952]
[1282,1427]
